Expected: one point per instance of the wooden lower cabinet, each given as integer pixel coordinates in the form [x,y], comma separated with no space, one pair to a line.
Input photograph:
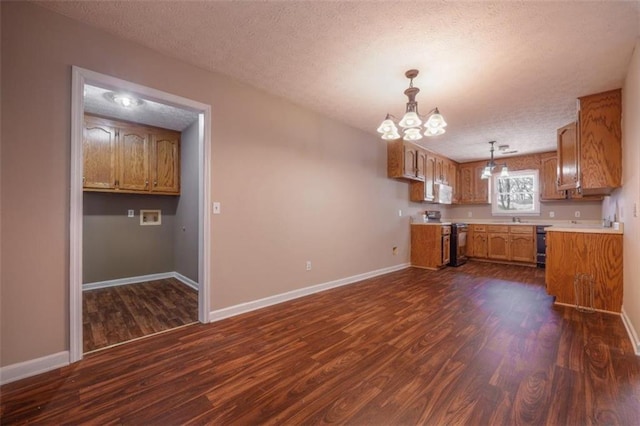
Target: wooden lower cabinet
[477,246]
[503,243]
[597,255]
[498,242]
[430,246]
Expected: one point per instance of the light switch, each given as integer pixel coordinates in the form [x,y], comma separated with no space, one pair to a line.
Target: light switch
[216,207]
[130,213]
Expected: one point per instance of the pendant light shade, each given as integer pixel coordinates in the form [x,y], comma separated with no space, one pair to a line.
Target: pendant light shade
[412,135]
[409,120]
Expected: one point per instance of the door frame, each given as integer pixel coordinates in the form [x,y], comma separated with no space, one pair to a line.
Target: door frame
[80,77]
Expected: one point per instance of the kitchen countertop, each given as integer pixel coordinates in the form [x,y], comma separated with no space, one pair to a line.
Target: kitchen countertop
[587,226]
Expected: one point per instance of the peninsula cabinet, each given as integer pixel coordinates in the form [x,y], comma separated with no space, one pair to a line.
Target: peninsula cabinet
[404,160]
[430,246]
[598,255]
[129,158]
[590,151]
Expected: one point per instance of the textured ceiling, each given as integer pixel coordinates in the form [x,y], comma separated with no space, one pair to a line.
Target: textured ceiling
[504,71]
[97,101]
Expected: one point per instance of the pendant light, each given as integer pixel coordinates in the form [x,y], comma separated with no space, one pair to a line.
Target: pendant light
[411,122]
[491,164]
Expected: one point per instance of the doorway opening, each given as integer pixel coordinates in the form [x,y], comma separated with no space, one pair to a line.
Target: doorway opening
[119,246]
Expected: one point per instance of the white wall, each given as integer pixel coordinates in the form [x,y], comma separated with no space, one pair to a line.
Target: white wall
[623,200]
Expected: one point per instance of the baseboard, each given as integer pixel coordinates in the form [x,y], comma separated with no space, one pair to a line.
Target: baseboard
[185,280]
[633,336]
[242,308]
[140,279]
[21,370]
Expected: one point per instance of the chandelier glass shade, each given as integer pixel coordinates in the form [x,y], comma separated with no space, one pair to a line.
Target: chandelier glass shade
[491,164]
[412,123]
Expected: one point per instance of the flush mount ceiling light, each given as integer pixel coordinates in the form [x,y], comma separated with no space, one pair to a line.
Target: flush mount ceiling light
[491,164]
[124,100]
[411,121]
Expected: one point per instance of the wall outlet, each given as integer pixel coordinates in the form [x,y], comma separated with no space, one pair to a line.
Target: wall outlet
[577,213]
[469,214]
[552,214]
[130,213]
[400,213]
[308,265]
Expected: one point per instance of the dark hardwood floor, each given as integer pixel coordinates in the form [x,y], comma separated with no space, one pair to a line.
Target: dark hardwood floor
[118,314]
[480,344]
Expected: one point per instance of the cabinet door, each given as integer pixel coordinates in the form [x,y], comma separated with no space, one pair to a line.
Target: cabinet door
[549,181]
[479,245]
[498,246]
[133,159]
[466,184]
[568,167]
[99,155]
[421,164]
[600,141]
[439,170]
[165,162]
[452,172]
[410,158]
[480,186]
[446,249]
[522,248]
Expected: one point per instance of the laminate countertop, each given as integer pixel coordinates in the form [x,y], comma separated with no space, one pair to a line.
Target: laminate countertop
[591,227]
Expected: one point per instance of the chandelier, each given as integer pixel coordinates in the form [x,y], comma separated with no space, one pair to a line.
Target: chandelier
[412,120]
[491,164]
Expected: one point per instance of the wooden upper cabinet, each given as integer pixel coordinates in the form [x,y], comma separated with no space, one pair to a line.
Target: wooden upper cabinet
[402,160]
[421,163]
[130,158]
[600,142]
[549,178]
[133,170]
[99,160]
[568,157]
[423,190]
[165,162]
[473,189]
[590,151]
[440,178]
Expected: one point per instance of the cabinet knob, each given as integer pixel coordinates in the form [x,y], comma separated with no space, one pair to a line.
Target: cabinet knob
[155,183]
[146,183]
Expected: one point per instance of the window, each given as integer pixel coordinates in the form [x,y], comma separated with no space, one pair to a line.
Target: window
[516,194]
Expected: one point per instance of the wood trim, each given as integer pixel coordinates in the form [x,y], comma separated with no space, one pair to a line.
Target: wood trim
[80,76]
[141,279]
[22,370]
[633,335]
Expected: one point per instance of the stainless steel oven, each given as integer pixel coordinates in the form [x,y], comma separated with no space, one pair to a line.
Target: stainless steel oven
[458,244]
